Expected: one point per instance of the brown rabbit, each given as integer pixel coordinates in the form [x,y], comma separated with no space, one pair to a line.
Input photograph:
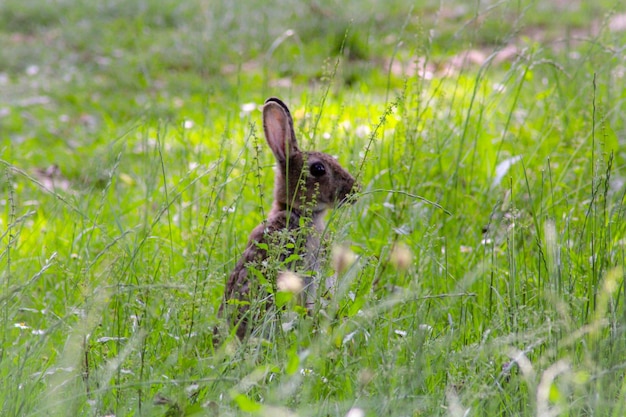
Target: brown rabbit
[307,184]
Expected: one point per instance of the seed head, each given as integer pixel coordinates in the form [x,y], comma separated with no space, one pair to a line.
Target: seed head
[401,256]
[343,258]
[289,281]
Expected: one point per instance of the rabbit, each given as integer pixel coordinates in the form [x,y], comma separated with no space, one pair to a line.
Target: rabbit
[307,184]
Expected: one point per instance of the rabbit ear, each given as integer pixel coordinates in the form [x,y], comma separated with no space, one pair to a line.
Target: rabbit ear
[278,127]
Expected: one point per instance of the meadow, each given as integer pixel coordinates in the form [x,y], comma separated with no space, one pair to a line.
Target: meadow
[486,249]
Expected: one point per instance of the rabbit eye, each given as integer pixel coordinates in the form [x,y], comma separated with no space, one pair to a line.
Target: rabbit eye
[317,169]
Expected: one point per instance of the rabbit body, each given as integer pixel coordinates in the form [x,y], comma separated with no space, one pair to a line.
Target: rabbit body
[307,184]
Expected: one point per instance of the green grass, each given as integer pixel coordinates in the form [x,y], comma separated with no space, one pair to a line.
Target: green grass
[112,270]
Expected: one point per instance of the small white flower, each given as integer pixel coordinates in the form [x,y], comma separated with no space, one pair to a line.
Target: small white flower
[32,70]
[247,108]
[500,88]
[355,412]
[192,388]
[362,131]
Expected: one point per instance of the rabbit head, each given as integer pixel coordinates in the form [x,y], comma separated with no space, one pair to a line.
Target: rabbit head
[304,180]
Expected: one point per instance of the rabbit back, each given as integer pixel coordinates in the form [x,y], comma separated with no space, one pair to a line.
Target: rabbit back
[281,236]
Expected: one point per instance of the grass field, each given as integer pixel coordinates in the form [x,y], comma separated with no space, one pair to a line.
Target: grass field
[489,240]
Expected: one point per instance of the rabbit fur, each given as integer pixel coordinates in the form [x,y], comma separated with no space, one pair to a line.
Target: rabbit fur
[307,184]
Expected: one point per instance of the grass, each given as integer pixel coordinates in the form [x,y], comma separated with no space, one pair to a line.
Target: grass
[489,237]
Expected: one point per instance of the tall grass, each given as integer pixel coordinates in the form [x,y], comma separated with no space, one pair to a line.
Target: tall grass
[488,240]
